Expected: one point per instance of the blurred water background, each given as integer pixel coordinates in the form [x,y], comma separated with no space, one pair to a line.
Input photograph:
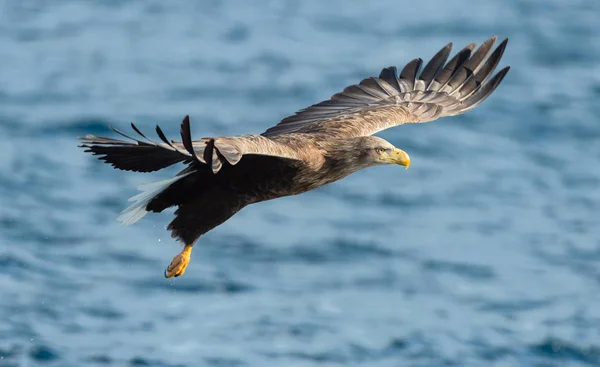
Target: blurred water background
[485,253]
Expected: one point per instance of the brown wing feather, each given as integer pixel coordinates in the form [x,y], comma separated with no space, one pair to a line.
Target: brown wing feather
[145,155]
[375,104]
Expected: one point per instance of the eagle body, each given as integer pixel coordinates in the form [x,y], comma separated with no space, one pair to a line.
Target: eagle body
[316,146]
[206,198]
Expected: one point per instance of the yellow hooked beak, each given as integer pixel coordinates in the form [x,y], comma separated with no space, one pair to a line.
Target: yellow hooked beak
[400,157]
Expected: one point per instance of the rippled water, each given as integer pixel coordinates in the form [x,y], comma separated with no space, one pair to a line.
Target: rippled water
[486,252]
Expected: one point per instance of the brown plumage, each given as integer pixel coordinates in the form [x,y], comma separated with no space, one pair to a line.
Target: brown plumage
[316,146]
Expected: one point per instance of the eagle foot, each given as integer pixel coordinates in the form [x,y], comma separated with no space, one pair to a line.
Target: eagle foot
[179,263]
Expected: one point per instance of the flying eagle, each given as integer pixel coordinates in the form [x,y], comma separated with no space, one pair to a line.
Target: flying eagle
[316,146]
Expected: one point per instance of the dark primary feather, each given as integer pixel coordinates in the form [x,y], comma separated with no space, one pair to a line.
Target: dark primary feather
[135,155]
[408,75]
[484,71]
[441,89]
[452,67]
[484,92]
[434,66]
[389,76]
[186,138]
[469,67]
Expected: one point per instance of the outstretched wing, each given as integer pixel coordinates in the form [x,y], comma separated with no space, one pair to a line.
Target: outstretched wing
[375,104]
[145,155]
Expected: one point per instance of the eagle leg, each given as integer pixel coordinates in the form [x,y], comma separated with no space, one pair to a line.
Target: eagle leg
[179,263]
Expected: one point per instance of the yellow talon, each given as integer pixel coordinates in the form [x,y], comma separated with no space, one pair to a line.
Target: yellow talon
[179,263]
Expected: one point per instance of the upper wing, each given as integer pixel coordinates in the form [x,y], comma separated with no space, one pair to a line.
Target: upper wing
[147,155]
[375,104]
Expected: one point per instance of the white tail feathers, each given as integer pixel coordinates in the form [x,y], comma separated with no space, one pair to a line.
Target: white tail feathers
[137,210]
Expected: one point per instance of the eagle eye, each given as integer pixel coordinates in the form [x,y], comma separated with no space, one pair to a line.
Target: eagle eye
[380,150]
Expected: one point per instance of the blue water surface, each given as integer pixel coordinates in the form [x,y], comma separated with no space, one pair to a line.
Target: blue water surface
[485,253]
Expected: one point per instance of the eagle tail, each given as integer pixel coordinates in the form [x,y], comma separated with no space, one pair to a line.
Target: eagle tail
[149,192]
